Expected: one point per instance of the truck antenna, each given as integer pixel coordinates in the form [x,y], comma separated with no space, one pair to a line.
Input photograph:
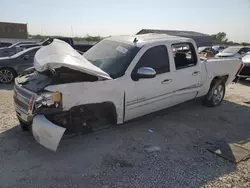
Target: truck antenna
[135,40]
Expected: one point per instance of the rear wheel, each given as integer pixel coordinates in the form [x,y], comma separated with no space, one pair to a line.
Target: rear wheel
[7,75]
[215,94]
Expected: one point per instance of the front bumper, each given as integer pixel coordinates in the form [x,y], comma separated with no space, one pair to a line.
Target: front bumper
[47,133]
[245,72]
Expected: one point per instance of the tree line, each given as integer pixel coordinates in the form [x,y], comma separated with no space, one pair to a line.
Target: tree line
[221,38]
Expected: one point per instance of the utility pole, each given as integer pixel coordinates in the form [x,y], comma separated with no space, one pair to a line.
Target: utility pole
[72,31]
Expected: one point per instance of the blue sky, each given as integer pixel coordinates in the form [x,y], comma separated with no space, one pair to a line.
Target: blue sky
[113,17]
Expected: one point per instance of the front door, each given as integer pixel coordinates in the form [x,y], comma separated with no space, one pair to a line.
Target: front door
[147,95]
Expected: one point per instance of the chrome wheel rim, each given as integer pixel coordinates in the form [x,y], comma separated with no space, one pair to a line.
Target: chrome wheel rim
[218,94]
[6,76]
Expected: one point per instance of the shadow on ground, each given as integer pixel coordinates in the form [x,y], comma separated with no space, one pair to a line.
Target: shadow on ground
[117,158]
[245,82]
[6,86]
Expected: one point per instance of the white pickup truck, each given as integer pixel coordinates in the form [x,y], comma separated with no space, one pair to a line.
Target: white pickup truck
[119,79]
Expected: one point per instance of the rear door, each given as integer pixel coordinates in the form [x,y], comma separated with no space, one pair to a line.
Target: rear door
[147,95]
[187,75]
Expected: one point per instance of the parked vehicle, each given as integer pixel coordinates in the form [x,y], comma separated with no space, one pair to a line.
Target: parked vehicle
[218,48]
[12,66]
[13,49]
[5,44]
[244,73]
[234,51]
[79,47]
[119,79]
[205,49]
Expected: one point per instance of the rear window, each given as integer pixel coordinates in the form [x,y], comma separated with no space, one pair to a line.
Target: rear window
[185,55]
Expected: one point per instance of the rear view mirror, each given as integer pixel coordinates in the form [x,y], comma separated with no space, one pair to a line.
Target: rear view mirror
[145,72]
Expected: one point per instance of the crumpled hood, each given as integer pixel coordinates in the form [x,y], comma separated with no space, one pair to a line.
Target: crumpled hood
[60,54]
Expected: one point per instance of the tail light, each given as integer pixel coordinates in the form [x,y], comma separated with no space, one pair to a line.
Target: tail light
[31,102]
[241,67]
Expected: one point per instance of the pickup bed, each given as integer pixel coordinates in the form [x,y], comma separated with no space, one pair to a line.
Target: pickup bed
[119,79]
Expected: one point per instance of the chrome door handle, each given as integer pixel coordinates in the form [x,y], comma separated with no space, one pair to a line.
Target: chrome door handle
[166,81]
[195,73]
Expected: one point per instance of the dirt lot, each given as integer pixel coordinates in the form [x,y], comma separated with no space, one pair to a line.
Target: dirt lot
[121,156]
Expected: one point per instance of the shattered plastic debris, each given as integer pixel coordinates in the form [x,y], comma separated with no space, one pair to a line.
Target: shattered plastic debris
[150,130]
[153,149]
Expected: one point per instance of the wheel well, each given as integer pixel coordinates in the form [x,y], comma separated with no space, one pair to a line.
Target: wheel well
[10,69]
[98,110]
[222,79]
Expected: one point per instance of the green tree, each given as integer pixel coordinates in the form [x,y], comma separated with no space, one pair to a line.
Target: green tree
[220,37]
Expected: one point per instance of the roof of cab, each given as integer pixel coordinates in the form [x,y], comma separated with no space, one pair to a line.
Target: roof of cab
[144,39]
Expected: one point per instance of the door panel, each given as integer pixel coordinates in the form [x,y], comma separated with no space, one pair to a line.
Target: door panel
[147,95]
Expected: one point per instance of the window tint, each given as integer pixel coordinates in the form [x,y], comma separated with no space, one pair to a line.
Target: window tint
[156,58]
[184,55]
[31,53]
[244,50]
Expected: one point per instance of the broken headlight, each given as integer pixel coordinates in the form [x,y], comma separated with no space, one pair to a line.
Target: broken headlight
[49,100]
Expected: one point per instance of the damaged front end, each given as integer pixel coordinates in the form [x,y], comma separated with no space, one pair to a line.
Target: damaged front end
[56,64]
[43,110]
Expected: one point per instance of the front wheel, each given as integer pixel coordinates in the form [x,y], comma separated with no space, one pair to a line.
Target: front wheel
[7,75]
[215,95]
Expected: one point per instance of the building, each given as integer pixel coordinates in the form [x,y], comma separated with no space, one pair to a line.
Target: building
[13,30]
[200,38]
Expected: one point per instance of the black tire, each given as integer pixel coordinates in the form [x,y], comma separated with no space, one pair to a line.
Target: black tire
[7,75]
[215,94]
[24,126]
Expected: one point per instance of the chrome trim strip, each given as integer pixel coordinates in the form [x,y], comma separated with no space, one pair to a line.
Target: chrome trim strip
[143,99]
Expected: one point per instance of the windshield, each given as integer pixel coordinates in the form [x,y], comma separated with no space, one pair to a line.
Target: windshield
[112,57]
[232,49]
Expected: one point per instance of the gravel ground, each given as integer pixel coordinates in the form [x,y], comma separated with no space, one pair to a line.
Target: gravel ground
[164,149]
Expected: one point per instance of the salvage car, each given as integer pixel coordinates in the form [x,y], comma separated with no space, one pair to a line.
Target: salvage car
[234,51]
[13,49]
[244,72]
[5,44]
[118,79]
[81,48]
[12,66]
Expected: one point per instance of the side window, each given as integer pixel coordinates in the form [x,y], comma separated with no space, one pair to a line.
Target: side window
[244,50]
[184,55]
[156,58]
[31,53]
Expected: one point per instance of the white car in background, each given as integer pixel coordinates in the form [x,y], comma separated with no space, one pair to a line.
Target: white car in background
[234,51]
[244,72]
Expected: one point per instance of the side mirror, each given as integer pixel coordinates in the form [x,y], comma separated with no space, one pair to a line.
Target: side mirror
[144,72]
[26,57]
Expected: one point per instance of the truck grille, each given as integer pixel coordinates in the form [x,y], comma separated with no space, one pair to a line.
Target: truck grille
[22,98]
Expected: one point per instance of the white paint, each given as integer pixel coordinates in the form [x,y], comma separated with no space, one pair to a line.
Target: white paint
[46,133]
[61,54]
[141,97]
